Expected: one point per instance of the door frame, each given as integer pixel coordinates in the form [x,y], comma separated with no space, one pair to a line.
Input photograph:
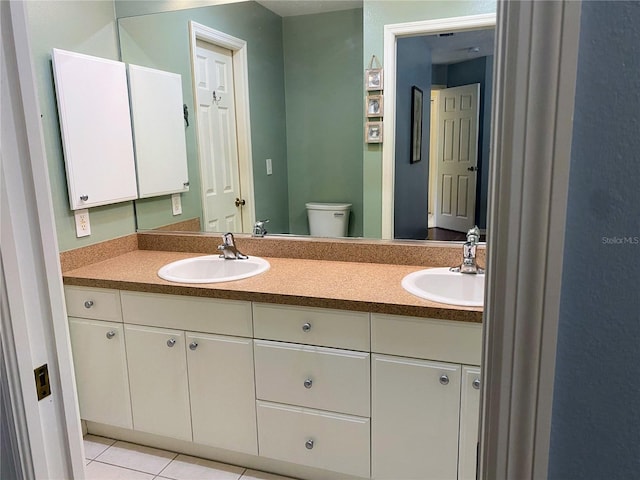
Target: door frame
[239,54]
[391,34]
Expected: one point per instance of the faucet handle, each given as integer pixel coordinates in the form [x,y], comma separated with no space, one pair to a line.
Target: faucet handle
[258,228]
[473,235]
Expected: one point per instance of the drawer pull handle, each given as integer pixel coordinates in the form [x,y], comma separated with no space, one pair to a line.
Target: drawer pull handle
[476,384]
[88,304]
[171,342]
[193,345]
[444,380]
[111,334]
[308,383]
[309,444]
[306,327]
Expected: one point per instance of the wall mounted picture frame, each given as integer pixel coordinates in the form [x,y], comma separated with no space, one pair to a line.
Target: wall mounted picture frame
[373,132]
[416,125]
[374,79]
[374,106]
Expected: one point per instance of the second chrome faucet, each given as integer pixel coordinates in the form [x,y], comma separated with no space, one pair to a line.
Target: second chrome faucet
[469,264]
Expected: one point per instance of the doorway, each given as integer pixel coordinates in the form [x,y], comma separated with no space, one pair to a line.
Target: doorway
[221,91]
[392,33]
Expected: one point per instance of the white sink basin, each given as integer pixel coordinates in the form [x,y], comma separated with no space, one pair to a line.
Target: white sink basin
[443,286]
[212,269]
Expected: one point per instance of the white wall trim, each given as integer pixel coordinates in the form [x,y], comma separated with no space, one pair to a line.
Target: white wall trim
[391,34]
[534,85]
[238,48]
[38,331]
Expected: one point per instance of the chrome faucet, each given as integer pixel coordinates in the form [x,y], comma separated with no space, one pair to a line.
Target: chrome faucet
[469,264]
[259,229]
[229,249]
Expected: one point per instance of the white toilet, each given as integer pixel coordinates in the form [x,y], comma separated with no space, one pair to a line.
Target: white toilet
[328,219]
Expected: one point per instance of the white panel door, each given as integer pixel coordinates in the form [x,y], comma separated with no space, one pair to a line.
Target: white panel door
[223,401]
[414,419]
[100,364]
[217,140]
[469,422]
[457,159]
[159,385]
[158,130]
[95,123]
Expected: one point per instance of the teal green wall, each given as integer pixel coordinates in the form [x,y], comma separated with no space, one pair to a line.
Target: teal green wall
[377,14]
[84,27]
[262,30]
[323,58]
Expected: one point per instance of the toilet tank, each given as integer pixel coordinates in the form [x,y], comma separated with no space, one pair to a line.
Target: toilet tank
[328,219]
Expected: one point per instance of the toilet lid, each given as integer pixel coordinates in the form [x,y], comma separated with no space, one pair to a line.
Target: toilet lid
[328,206]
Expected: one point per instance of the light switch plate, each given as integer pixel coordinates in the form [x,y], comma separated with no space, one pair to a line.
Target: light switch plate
[269,167]
[176,204]
[83,227]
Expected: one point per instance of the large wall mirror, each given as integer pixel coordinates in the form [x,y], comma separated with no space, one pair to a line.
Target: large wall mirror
[296,113]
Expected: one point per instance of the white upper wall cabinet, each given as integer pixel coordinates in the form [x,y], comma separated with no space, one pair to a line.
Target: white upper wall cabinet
[158,131]
[93,106]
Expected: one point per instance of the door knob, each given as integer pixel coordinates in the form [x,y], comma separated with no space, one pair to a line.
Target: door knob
[444,379]
[476,383]
[111,334]
[472,169]
[308,383]
[240,202]
[193,345]
[306,327]
[171,342]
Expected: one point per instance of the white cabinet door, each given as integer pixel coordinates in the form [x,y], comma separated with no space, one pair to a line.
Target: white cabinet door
[158,131]
[100,364]
[223,402]
[159,384]
[469,420]
[415,415]
[95,123]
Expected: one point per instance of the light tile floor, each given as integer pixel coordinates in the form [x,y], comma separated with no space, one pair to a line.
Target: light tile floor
[108,459]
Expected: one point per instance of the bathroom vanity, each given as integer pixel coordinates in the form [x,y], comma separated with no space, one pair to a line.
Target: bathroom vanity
[314,369]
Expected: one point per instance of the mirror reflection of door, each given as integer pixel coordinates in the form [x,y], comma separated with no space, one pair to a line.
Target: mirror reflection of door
[457,157]
[217,138]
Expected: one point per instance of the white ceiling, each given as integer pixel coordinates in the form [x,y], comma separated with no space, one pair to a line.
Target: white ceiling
[455,48]
[289,8]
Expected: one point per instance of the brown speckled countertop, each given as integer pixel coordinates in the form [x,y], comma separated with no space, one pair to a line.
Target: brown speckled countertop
[368,287]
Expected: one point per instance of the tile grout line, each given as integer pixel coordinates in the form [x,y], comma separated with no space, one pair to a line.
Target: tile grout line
[176,455]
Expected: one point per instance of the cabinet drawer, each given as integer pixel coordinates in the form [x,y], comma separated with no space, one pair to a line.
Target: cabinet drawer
[442,340]
[315,377]
[93,303]
[315,326]
[330,441]
[209,315]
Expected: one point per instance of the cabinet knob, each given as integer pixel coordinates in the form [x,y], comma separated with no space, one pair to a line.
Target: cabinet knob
[444,379]
[171,342]
[84,198]
[193,345]
[306,327]
[111,334]
[88,304]
[476,383]
[309,444]
[308,383]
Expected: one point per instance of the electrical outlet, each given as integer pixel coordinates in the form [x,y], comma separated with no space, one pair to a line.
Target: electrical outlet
[83,227]
[176,204]
[269,167]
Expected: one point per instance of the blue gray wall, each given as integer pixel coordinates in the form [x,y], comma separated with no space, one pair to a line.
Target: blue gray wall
[596,416]
[411,196]
[478,70]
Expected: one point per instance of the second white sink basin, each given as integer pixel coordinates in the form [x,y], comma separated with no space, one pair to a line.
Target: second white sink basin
[444,286]
[212,269]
